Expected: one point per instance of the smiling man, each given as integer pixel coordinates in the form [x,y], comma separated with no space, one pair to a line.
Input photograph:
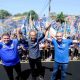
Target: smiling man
[61,58]
[9,55]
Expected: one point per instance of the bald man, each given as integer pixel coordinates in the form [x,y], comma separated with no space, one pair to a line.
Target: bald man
[61,58]
[34,53]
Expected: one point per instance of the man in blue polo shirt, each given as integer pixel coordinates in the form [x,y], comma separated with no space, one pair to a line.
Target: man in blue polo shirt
[9,55]
[61,58]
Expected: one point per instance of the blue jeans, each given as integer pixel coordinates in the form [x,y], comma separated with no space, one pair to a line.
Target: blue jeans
[63,67]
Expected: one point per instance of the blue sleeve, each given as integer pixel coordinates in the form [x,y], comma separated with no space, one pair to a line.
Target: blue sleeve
[16,41]
[0,48]
[41,37]
[70,41]
[53,41]
[0,45]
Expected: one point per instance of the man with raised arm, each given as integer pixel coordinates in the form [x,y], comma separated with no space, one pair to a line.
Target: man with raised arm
[9,56]
[61,58]
[34,52]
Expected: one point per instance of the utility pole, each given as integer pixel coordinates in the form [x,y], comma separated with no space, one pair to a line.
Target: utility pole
[49,7]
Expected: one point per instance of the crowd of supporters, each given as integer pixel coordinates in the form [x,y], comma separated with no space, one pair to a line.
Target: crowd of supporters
[35,48]
[46,49]
[47,52]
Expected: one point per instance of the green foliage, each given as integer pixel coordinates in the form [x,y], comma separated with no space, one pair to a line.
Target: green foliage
[60,17]
[4,14]
[25,14]
[18,14]
[33,15]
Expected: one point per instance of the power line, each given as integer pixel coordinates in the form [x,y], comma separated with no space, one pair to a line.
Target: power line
[52,2]
[49,6]
[44,8]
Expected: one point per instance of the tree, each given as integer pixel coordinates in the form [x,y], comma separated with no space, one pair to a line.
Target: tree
[4,14]
[21,14]
[33,15]
[18,14]
[25,14]
[60,17]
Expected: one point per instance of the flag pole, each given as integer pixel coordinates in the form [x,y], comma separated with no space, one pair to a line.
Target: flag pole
[65,29]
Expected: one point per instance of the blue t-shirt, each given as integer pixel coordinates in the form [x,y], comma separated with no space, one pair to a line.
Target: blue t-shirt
[62,50]
[9,53]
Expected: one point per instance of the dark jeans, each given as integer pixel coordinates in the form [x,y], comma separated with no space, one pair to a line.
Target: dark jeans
[63,67]
[9,70]
[42,54]
[37,62]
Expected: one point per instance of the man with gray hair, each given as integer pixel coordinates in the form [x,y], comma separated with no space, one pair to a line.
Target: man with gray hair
[61,58]
[34,52]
